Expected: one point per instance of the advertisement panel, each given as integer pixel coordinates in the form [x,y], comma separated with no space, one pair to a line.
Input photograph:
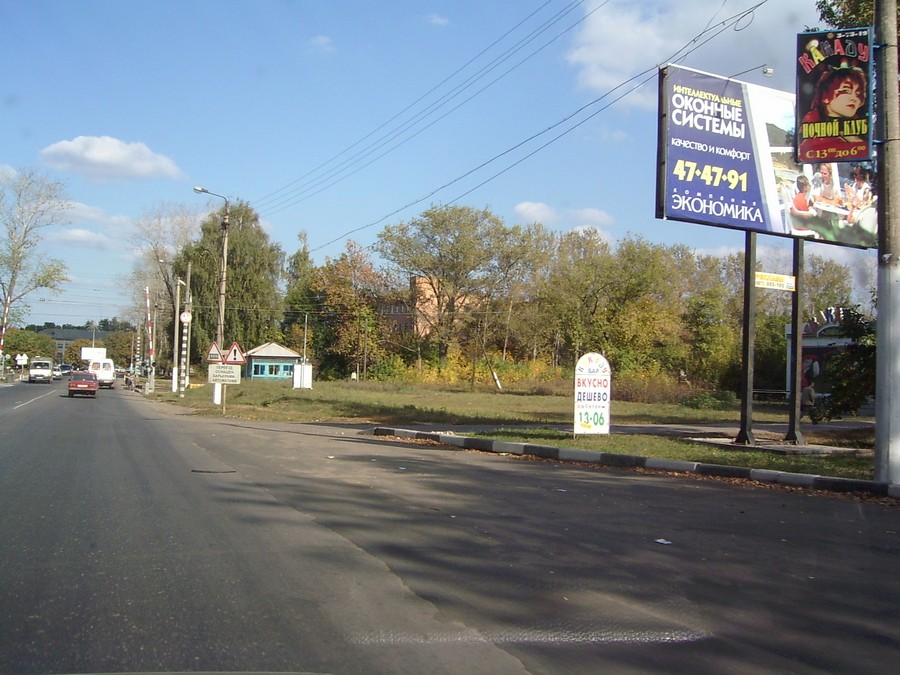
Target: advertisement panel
[593,394]
[834,92]
[727,158]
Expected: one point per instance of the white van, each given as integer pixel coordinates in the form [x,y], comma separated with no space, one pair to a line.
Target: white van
[40,370]
[105,370]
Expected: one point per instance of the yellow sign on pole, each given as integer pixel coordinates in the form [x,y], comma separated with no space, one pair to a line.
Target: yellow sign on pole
[778,282]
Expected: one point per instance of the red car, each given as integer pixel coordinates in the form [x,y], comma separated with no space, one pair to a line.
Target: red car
[82,382]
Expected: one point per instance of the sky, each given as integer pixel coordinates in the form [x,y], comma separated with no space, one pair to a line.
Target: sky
[340,117]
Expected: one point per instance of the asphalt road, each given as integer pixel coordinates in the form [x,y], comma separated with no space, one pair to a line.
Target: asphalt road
[135,537]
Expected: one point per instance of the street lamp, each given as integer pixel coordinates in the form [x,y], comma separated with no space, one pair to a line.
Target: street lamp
[220,328]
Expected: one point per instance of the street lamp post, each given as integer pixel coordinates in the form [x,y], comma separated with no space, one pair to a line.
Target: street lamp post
[220,328]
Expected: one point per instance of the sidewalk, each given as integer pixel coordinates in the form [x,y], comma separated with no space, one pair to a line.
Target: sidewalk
[722,435]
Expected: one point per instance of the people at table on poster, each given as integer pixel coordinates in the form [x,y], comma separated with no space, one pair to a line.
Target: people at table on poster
[859,193]
[861,224]
[840,95]
[824,187]
[805,215]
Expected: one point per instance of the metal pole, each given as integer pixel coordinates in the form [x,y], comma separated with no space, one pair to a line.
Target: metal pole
[796,348]
[185,334]
[887,368]
[151,386]
[176,308]
[219,389]
[745,435]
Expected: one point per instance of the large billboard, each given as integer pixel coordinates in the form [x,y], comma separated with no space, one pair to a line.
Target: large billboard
[726,158]
[834,94]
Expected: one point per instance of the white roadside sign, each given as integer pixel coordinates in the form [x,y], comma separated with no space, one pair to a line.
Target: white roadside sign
[223,373]
[593,394]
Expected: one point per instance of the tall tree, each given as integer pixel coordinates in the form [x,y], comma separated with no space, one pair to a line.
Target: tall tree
[452,252]
[29,204]
[347,333]
[299,299]
[573,294]
[162,231]
[253,276]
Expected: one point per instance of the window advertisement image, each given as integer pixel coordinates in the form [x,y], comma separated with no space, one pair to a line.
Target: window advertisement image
[727,158]
[834,94]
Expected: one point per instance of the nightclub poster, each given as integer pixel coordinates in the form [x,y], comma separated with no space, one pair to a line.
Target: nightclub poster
[834,96]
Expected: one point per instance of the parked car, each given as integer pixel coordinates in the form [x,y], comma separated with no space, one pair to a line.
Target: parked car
[83,383]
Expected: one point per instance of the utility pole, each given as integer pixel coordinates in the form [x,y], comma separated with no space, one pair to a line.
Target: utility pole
[185,332]
[887,379]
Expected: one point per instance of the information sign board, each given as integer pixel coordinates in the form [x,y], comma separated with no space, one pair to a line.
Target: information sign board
[223,373]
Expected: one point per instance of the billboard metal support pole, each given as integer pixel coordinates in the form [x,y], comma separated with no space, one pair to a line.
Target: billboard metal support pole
[793,433]
[748,341]
[887,387]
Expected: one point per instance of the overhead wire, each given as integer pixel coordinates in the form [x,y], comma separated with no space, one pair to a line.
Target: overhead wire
[345,169]
[263,200]
[679,55]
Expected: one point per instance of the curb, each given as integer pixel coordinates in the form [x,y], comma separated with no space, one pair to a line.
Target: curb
[802,480]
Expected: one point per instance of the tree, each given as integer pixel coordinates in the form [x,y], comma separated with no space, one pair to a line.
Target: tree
[299,300]
[347,331]
[120,346]
[29,204]
[851,369]
[160,234]
[29,342]
[253,298]
[452,251]
[73,352]
[848,13]
[572,295]
[712,340]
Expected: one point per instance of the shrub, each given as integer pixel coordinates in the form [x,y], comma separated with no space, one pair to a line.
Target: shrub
[711,400]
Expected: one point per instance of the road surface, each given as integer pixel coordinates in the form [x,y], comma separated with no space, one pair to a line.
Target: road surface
[137,537]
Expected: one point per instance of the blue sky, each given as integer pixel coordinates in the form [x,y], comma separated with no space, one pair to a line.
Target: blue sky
[338,117]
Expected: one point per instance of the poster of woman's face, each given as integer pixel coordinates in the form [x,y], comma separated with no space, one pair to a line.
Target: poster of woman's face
[833,92]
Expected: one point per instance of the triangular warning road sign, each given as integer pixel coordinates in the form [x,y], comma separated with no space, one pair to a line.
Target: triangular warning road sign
[214,355]
[235,356]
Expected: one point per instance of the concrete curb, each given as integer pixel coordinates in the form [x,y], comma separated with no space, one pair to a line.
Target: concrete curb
[803,480]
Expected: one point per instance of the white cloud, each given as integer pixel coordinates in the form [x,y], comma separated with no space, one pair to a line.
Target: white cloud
[621,39]
[6,171]
[323,43]
[79,212]
[536,212]
[593,217]
[576,219]
[84,239]
[437,20]
[105,158]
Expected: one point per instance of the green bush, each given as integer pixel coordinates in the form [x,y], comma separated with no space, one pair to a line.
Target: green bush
[711,400]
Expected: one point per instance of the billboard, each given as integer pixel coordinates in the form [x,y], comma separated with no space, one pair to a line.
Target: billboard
[834,92]
[727,158]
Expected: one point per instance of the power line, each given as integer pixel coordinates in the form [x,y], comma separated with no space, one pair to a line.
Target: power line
[685,50]
[345,169]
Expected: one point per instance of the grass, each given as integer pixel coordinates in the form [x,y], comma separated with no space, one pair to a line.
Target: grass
[549,420]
